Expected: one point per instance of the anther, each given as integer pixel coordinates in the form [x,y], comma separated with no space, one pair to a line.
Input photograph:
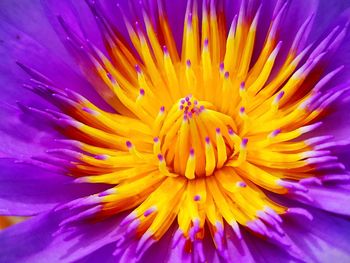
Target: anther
[197,198]
[241,184]
[206,44]
[222,67]
[149,211]
[142,92]
[160,158]
[128,144]
[138,69]
[274,133]
[227,75]
[244,143]
[276,101]
[165,50]
[162,166]
[133,150]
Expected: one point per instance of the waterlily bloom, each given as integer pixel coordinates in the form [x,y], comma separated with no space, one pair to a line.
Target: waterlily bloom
[175,131]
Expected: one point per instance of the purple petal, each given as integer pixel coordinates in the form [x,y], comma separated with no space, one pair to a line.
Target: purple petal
[33,240]
[160,250]
[28,190]
[19,46]
[75,24]
[238,249]
[297,13]
[327,13]
[28,16]
[339,48]
[324,239]
[176,10]
[78,16]
[105,252]
[27,36]
[19,138]
[263,251]
[165,249]
[333,198]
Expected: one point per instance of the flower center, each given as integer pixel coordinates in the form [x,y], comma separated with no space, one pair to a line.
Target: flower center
[195,138]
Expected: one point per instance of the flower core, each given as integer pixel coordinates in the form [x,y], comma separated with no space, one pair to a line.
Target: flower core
[195,138]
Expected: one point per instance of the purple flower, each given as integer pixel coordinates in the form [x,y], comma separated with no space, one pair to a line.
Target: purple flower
[175,131]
